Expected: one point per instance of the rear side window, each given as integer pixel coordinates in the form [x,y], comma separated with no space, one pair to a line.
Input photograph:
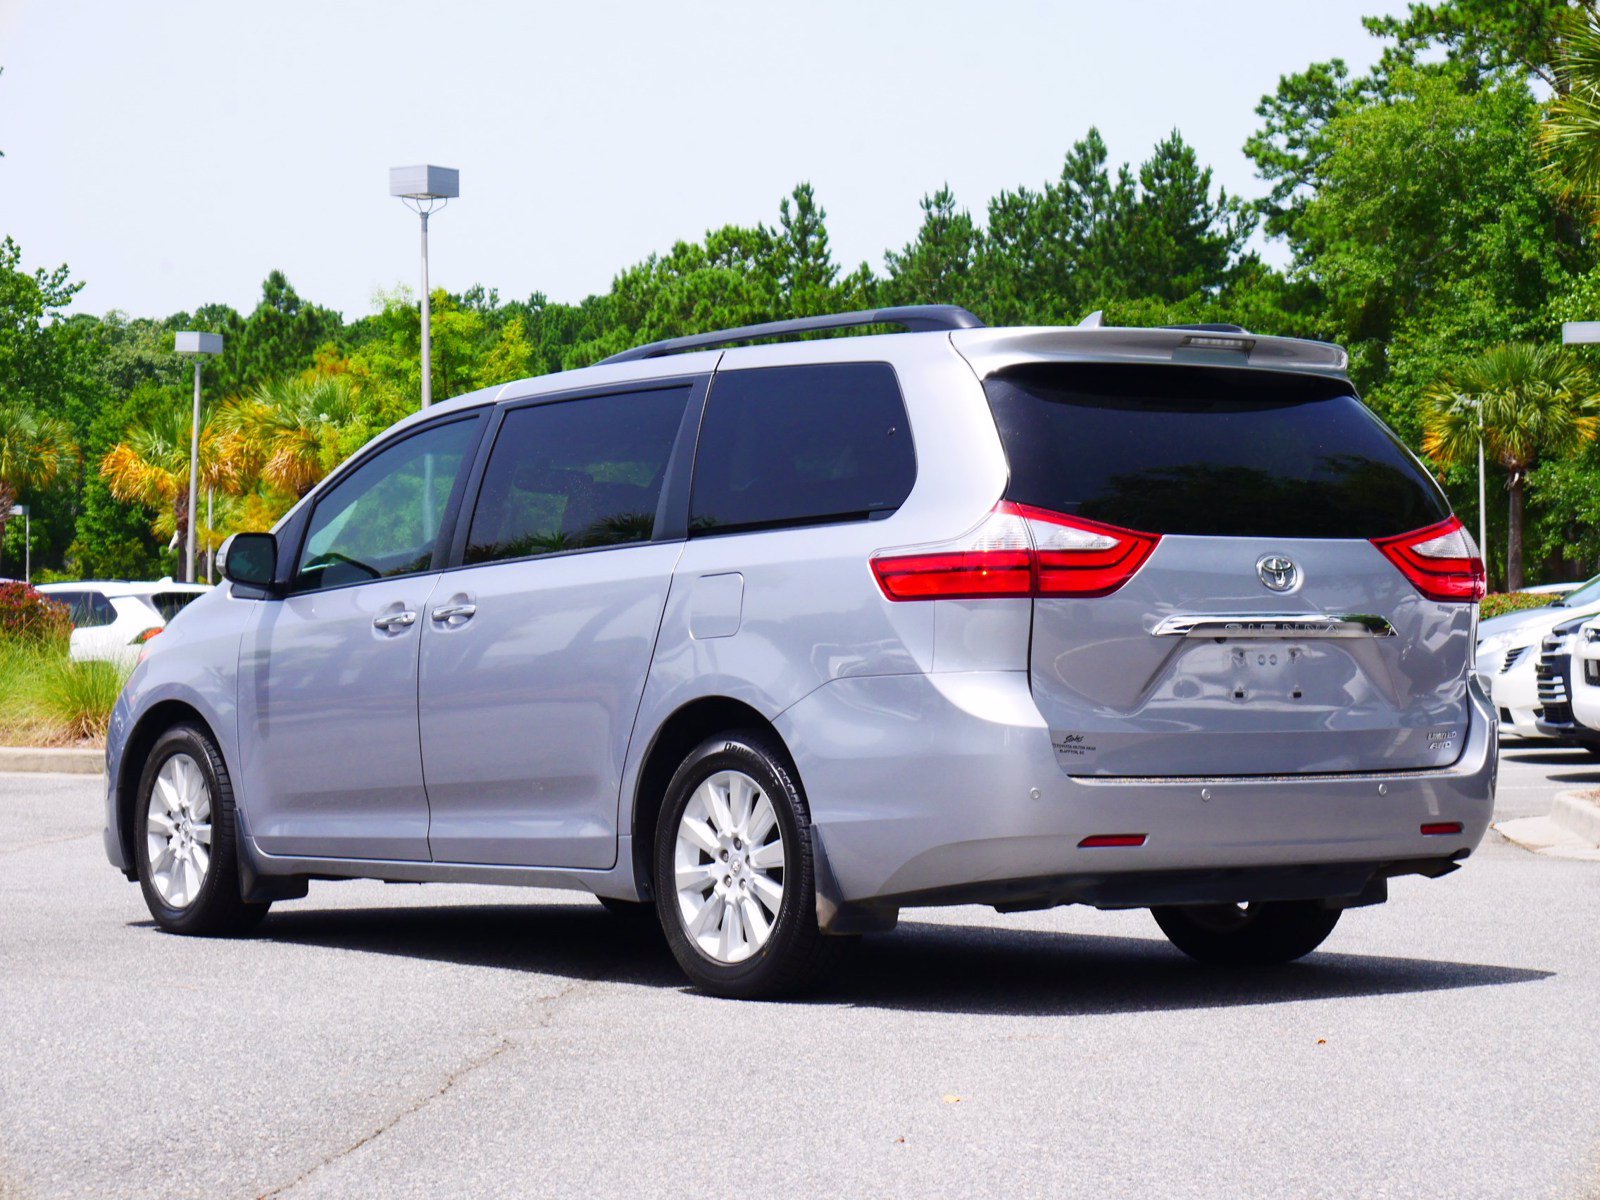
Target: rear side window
[1212,452]
[798,445]
[170,604]
[575,474]
[90,610]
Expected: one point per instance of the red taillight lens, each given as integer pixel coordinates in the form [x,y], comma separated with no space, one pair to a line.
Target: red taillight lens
[1440,561]
[1436,828]
[1017,551]
[141,638]
[1075,557]
[1111,839]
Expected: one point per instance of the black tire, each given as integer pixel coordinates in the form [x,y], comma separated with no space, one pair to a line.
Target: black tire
[1250,935]
[796,954]
[216,909]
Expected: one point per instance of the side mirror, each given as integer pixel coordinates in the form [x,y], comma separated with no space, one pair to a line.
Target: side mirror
[250,559]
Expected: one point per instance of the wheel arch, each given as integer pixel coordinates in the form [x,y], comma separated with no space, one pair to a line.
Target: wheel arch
[681,732]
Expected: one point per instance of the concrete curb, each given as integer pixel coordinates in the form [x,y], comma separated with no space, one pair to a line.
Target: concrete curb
[67,760]
[1572,830]
[1580,814]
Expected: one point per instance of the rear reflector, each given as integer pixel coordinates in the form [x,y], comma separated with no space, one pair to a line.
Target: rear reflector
[1438,827]
[1017,550]
[1111,839]
[1440,561]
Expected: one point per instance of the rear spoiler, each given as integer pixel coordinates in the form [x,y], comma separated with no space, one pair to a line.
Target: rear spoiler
[992,350]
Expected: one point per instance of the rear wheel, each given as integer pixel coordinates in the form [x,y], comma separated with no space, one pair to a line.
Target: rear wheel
[734,875]
[1247,935]
[184,847]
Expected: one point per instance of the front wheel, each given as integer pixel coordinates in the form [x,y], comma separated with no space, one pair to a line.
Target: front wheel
[184,847]
[734,873]
[1247,935]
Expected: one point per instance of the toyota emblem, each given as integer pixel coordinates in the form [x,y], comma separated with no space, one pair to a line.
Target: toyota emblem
[1278,573]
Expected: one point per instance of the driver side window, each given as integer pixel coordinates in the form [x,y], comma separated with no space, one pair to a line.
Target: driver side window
[383,518]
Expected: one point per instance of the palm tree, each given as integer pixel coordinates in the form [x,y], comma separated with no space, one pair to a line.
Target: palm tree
[1570,133]
[34,451]
[151,466]
[293,430]
[1529,401]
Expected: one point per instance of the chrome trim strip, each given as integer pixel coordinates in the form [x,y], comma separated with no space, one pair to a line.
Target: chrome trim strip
[1273,625]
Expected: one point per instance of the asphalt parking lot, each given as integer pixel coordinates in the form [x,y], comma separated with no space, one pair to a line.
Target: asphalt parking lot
[434,1041]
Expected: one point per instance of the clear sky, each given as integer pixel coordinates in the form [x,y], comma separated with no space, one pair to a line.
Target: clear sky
[172,152]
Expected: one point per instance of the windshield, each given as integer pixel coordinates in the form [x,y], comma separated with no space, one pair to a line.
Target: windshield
[1589,593]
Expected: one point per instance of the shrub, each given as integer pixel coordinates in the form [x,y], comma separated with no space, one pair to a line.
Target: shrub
[76,698]
[27,615]
[46,699]
[1499,603]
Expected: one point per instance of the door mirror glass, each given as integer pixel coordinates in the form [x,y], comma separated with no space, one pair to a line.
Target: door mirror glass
[250,559]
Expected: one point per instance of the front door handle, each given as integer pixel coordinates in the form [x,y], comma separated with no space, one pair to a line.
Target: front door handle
[445,611]
[392,621]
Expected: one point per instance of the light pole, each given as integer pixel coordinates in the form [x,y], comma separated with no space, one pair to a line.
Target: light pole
[199,345]
[423,189]
[21,510]
[1483,511]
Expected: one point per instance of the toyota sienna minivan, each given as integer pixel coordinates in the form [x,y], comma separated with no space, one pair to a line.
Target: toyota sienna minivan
[776,640]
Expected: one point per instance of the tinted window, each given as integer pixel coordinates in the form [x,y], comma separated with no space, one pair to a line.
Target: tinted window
[170,604]
[89,609]
[787,445]
[575,474]
[383,518]
[1228,453]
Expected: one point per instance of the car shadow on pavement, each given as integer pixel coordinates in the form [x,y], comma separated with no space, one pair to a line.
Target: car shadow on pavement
[923,966]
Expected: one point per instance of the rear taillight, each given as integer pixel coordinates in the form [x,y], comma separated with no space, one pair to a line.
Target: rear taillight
[1017,551]
[141,638]
[1440,561]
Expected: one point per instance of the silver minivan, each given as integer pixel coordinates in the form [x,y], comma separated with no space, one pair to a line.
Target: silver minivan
[774,640]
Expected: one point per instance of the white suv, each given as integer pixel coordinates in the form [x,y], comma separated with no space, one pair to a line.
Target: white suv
[112,618]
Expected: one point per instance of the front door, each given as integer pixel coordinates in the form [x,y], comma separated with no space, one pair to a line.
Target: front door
[535,651]
[332,763]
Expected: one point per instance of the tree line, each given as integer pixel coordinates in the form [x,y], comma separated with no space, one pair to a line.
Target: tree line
[1439,214]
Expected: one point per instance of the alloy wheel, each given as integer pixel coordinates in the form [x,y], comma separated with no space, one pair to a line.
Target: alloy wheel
[178,831]
[729,867]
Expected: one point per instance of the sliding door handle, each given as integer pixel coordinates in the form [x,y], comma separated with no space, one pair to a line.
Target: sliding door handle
[446,612]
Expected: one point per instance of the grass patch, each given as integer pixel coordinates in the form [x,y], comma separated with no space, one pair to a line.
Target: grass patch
[48,700]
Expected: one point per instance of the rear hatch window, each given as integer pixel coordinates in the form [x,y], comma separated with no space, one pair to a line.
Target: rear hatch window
[1207,451]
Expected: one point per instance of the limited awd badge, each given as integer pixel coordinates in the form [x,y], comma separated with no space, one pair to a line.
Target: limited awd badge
[1278,572]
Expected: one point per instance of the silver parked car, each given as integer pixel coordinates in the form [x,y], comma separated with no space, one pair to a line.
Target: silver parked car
[781,639]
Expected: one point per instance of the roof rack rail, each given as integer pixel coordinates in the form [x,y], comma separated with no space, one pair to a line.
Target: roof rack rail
[913,318]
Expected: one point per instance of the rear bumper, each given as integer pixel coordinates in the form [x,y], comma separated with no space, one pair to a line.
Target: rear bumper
[945,788]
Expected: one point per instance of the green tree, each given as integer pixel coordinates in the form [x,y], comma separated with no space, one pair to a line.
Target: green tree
[280,337]
[1177,239]
[1570,134]
[1527,401]
[938,266]
[34,451]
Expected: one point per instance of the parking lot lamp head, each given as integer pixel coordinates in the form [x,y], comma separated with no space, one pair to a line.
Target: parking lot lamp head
[200,345]
[423,189]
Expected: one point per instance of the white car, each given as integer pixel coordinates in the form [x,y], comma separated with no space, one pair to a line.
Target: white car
[1508,656]
[112,618]
[1583,681]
